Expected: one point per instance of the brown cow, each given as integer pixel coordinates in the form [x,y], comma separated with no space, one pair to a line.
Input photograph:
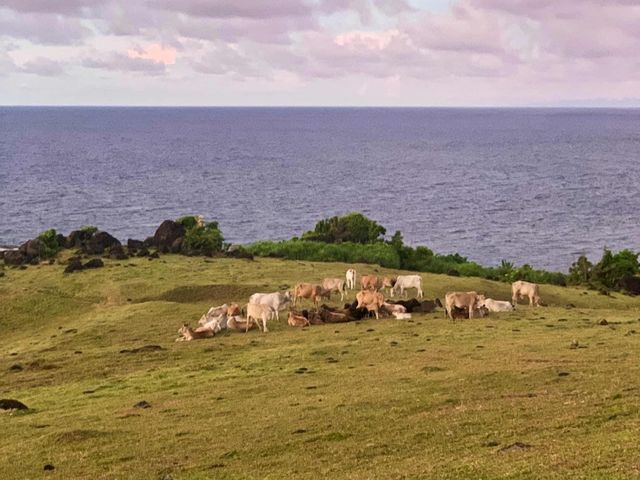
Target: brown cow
[372,301]
[521,289]
[335,285]
[370,282]
[469,300]
[187,333]
[241,324]
[297,320]
[313,292]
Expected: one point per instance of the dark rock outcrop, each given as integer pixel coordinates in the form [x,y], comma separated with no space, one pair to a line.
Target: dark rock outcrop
[99,242]
[94,263]
[74,265]
[77,239]
[631,285]
[14,257]
[10,404]
[117,253]
[167,233]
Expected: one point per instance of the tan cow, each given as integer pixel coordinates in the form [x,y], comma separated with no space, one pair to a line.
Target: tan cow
[240,324]
[335,285]
[388,282]
[308,290]
[470,300]
[372,301]
[256,313]
[297,320]
[522,289]
[187,333]
[370,282]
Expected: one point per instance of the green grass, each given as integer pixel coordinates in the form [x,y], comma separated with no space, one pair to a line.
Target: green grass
[425,398]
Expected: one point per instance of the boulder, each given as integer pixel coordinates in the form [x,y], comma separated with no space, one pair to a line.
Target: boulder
[117,253]
[149,242]
[14,257]
[134,244]
[77,239]
[631,285]
[99,242]
[31,248]
[143,252]
[94,263]
[74,265]
[11,404]
[62,240]
[167,233]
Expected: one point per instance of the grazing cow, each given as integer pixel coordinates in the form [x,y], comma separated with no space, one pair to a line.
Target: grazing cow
[521,289]
[310,291]
[351,278]
[404,282]
[240,324]
[388,282]
[335,284]
[469,300]
[370,282]
[297,320]
[187,333]
[257,312]
[277,300]
[497,305]
[372,301]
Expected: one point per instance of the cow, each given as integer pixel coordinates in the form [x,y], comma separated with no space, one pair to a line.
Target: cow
[402,316]
[388,282]
[236,322]
[394,308]
[277,300]
[428,306]
[257,312]
[310,291]
[213,313]
[521,289]
[497,305]
[335,285]
[350,276]
[297,320]
[370,282]
[404,282]
[470,300]
[216,324]
[372,301]
[187,333]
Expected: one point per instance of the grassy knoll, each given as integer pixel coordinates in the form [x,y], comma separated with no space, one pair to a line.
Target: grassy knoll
[424,398]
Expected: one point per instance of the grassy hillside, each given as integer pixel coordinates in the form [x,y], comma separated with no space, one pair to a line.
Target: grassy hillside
[501,397]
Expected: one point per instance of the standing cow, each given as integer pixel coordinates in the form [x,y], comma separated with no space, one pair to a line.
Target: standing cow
[469,300]
[404,282]
[351,279]
[522,289]
[335,285]
[278,301]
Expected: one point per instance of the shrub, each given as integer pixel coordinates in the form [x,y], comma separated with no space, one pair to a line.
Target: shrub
[188,221]
[205,240]
[49,245]
[580,271]
[612,268]
[353,227]
[90,229]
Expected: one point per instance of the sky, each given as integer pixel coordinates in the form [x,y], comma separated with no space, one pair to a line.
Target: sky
[320,52]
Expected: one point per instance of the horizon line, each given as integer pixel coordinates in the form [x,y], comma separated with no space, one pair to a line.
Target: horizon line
[434,107]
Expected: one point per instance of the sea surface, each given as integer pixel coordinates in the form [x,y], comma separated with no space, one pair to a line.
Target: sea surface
[537,186]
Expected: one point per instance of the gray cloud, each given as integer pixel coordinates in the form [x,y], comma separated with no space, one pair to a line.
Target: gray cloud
[42,66]
[123,63]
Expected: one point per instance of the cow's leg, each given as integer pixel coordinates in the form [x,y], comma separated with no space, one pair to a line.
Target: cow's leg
[420,294]
[246,328]
[264,324]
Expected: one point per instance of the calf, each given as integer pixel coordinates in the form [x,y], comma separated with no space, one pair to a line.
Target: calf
[238,323]
[187,333]
[313,292]
[297,320]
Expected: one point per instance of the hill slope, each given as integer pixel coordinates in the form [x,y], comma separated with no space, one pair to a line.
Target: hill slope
[505,396]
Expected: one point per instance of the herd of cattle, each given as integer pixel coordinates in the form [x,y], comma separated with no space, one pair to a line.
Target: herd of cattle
[370,300]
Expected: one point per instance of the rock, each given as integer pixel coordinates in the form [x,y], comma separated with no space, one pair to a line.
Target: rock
[631,285]
[16,367]
[99,242]
[117,253]
[515,446]
[94,263]
[77,239]
[134,245]
[31,248]
[10,404]
[154,255]
[574,344]
[167,233]
[62,240]
[143,252]
[14,257]
[34,261]
[142,404]
[603,322]
[48,467]
[1,274]
[74,265]
[148,242]
[176,246]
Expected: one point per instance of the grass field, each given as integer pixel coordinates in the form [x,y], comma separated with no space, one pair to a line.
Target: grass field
[507,396]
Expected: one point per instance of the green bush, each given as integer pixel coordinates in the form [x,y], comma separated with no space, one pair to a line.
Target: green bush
[49,246]
[612,268]
[188,221]
[205,240]
[90,229]
[353,227]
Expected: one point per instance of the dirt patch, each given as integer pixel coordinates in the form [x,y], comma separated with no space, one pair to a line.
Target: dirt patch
[517,446]
[146,348]
[200,293]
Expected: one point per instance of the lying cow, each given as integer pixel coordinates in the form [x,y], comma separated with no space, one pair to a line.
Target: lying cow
[335,285]
[402,316]
[469,300]
[213,312]
[372,301]
[278,301]
[497,305]
[415,306]
[354,312]
[187,333]
[240,324]
[313,292]
[405,282]
[522,289]
[350,277]
[216,324]
[297,320]
[393,308]
[257,313]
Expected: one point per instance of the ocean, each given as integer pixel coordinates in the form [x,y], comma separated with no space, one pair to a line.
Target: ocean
[537,186]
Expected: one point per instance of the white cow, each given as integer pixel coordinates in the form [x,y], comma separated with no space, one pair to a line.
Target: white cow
[351,279]
[215,324]
[404,282]
[497,305]
[521,289]
[278,301]
[213,313]
[256,313]
[335,285]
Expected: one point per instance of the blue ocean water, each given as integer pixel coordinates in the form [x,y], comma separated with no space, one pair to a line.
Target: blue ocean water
[527,185]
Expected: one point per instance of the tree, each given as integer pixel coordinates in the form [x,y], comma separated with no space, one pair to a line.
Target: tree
[580,271]
[353,227]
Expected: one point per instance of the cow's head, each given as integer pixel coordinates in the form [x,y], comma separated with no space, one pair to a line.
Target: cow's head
[480,301]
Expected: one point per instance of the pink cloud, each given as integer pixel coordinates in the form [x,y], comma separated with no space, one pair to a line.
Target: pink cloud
[154,52]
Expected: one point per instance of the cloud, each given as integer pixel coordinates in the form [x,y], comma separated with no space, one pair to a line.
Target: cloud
[42,66]
[154,52]
[124,63]
[43,29]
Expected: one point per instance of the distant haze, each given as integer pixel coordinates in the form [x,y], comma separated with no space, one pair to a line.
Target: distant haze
[320,52]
